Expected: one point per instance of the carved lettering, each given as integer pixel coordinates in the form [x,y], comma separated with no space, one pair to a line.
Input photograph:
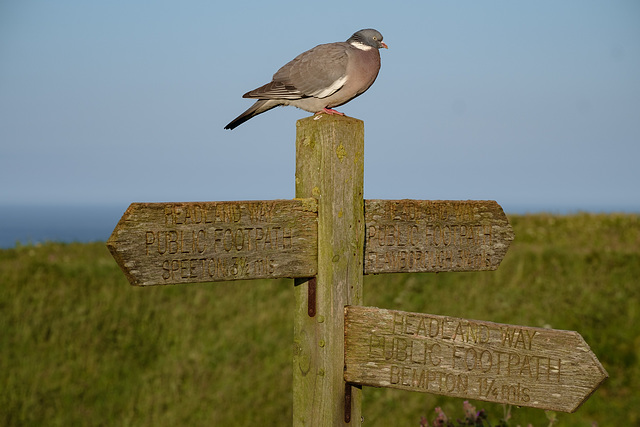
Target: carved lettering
[511,337]
[466,358]
[209,269]
[209,241]
[428,379]
[420,235]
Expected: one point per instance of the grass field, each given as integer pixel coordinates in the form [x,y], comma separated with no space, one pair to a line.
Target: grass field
[80,347]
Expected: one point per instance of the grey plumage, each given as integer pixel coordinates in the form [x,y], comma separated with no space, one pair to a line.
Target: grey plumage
[327,76]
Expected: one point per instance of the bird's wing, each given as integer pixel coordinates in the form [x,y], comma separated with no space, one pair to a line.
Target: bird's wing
[318,72]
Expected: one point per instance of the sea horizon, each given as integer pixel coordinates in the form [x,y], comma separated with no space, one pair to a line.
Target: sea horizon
[33,224]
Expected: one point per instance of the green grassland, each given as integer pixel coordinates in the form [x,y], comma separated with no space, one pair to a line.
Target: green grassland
[80,347]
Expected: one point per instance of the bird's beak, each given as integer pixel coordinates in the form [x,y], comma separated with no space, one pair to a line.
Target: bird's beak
[384,45]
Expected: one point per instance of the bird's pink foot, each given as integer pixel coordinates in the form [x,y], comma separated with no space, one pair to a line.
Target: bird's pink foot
[329,111]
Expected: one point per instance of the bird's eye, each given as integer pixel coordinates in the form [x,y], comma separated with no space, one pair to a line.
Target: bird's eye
[375,38]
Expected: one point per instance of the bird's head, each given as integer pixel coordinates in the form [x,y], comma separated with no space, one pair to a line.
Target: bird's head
[369,38]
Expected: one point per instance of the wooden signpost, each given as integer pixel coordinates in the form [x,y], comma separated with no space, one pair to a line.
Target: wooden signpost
[327,239]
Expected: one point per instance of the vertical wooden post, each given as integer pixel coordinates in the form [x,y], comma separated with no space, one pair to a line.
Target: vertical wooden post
[329,167]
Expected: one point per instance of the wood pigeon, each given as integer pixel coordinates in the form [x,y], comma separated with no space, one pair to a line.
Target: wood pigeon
[327,76]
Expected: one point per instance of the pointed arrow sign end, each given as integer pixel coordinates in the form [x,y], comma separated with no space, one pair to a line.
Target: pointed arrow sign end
[594,372]
[117,247]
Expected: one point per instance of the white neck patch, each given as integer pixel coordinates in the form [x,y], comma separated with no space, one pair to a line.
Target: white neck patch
[360,46]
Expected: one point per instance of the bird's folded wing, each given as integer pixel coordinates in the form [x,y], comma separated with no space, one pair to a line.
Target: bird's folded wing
[318,72]
[275,90]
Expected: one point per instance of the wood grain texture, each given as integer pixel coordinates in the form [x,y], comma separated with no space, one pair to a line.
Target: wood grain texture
[405,236]
[171,243]
[329,167]
[518,365]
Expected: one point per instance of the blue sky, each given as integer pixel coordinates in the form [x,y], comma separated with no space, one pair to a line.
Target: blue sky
[533,104]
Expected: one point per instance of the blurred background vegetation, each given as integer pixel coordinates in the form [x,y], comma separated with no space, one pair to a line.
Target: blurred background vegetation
[80,347]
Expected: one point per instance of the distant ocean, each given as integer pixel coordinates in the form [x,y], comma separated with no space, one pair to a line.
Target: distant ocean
[38,224]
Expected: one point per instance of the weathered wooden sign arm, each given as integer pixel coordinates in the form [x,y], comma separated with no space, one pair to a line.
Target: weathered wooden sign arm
[404,236]
[518,365]
[171,243]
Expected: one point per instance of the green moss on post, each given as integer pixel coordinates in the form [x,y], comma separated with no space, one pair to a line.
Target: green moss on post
[329,167]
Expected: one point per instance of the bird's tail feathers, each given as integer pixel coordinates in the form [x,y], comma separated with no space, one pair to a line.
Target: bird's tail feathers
[259,107]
